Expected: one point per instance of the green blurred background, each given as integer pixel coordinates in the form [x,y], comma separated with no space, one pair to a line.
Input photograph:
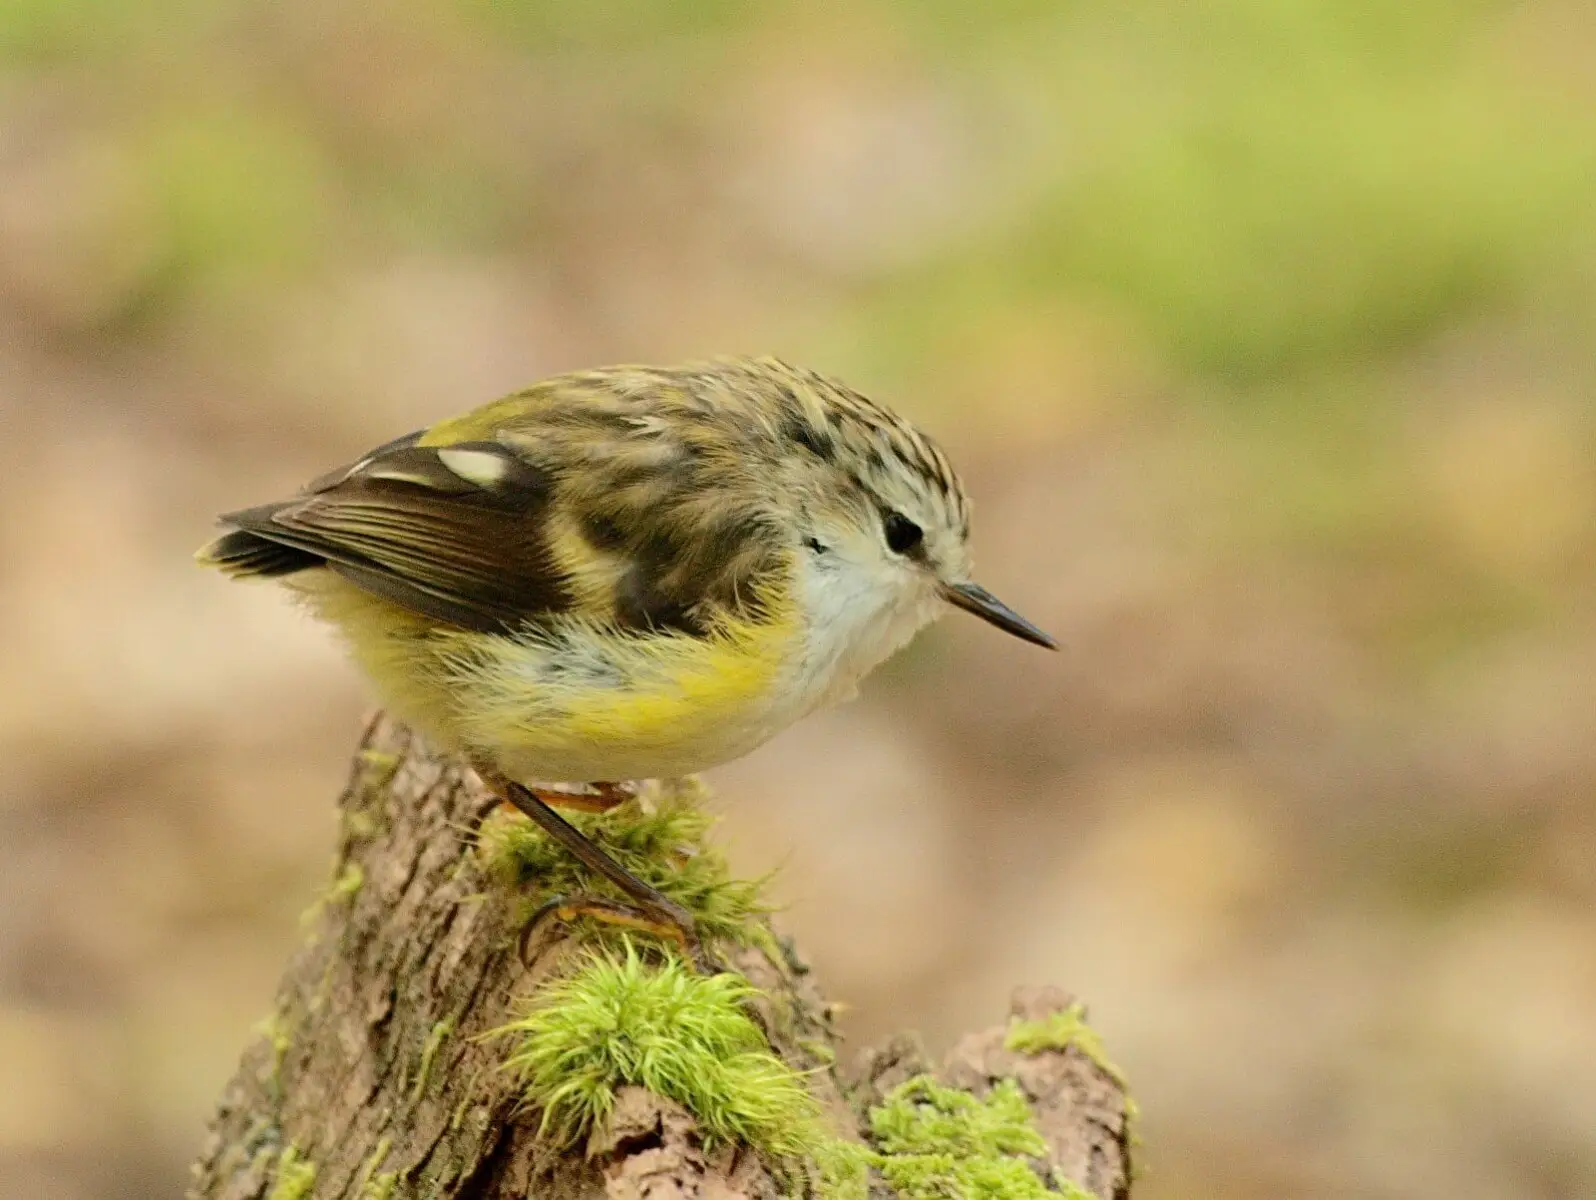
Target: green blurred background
[1262,331]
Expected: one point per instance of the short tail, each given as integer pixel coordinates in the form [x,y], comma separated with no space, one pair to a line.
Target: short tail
[245,555]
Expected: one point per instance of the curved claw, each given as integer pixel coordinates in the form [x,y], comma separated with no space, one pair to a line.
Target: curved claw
[673,923]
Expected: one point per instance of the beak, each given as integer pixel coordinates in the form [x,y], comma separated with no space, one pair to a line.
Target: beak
[973,598]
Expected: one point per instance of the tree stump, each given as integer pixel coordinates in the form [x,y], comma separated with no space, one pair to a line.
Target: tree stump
[378,1076]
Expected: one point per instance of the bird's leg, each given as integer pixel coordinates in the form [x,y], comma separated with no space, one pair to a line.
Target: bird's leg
[650,909]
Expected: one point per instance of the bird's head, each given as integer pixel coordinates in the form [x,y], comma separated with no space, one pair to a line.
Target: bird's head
[879,510]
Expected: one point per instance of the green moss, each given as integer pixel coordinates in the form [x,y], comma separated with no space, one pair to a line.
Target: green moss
[1060,1031]
[384,764]
[348,884]
[687,1037]
[660,838]
[429,1052]
[345,887]
[295,1176]
[375,1159]
[935,1176]
[279,1034]
[922,1117]
[821,1052]
[365,816]
[679,1034]
[935,1143]
[472,1106]
[844,1169]
[469,1099]
[374,1186]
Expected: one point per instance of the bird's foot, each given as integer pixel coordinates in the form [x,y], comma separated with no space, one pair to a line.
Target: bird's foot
[599,798]
[669,922]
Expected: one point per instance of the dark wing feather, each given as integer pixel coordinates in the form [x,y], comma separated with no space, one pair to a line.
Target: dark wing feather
[657,474]
[464,544]
[243,554]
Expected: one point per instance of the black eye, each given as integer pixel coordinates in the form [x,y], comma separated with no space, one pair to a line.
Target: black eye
[903,535]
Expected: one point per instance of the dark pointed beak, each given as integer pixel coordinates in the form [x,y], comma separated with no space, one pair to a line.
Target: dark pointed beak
[973,598]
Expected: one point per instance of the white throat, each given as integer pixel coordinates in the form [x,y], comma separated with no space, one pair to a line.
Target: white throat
[855,616]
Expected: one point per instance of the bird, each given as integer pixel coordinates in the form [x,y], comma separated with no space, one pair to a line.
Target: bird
[625,573]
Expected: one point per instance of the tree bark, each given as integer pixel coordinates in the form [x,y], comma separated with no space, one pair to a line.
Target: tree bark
[373,1079]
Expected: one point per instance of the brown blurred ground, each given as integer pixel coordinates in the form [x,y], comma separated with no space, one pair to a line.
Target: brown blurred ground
[1262,333]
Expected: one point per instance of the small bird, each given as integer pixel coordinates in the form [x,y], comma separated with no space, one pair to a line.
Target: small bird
[626,573]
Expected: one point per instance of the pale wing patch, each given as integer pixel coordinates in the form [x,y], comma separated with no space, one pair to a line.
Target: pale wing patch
[484,468]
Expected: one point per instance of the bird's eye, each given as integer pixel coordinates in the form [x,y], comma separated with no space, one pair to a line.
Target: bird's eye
[903,535]
[815,544]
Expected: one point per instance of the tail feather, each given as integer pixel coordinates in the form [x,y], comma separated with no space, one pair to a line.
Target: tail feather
[245,555]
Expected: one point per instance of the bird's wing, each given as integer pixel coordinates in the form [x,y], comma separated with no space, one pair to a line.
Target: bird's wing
[456,532]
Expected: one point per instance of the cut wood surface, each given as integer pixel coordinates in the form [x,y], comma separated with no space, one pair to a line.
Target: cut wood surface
[377,1074]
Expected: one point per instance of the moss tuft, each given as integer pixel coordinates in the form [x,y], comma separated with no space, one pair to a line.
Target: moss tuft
[380,759]
[429,1053]
[1060,1031]
[345,887]
[921,1116]
[679,1034]
[348,884]
[278,1031]
[686,1037]
[936,1141]
[844,1169]
[374,1185]
[933,1143]
[659,837]
[295,1176]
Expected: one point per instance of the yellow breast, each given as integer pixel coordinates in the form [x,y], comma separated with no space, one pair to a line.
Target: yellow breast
[576,700]
[584,702]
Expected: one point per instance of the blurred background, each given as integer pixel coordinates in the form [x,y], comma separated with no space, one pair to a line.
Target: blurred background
[1262,332]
